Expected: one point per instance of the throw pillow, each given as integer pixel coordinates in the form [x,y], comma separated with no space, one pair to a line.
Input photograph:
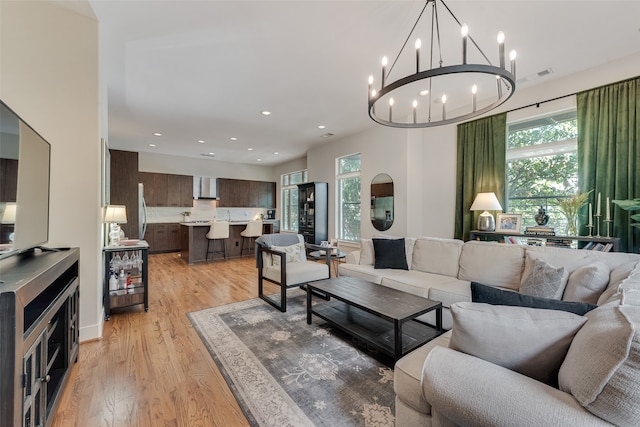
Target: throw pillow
[601,367]
[292,254]
[587,283]
[544,281]
[366,252]
[390,253]
[530,341]
[490,295]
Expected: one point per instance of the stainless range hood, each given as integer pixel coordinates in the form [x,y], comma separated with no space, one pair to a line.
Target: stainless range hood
[204,187]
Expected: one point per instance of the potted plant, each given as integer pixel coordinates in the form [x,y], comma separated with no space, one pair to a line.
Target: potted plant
[570,206]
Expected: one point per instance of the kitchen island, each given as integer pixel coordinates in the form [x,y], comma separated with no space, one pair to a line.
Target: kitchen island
[193,240]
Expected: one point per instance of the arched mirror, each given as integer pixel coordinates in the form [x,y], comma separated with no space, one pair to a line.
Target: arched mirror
[382,202]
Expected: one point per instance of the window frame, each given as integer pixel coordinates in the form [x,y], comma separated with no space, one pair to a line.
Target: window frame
[286,223]
[340,177]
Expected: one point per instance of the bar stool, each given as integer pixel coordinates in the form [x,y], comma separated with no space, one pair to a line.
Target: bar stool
[253,230]
[219,230]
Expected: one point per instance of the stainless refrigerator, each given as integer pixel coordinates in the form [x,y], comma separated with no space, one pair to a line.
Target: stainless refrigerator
[142,212]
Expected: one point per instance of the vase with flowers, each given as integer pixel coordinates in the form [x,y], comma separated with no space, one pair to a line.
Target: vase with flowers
[570,206]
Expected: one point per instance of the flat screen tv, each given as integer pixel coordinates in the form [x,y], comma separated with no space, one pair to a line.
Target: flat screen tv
[24,185]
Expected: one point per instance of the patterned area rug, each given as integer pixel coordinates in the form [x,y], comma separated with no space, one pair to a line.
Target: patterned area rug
[284,372]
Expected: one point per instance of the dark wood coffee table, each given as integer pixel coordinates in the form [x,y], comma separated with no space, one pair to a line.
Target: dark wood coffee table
[382,317]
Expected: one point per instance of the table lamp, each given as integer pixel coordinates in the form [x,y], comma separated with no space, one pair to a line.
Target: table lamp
[114,215]
[486,202]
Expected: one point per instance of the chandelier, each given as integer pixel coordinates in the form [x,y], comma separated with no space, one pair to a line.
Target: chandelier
[420,98]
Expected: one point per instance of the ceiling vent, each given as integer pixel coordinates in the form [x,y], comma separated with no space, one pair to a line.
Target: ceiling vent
[545,72]
[208,154]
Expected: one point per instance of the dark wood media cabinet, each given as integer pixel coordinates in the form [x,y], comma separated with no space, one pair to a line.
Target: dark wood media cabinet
[39,307]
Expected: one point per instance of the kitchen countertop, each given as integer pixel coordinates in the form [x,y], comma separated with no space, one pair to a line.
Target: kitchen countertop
[231,223]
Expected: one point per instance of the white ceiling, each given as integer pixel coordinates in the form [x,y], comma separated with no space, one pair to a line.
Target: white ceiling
[204,70]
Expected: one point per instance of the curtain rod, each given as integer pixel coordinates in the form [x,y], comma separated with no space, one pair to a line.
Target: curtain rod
[537,104]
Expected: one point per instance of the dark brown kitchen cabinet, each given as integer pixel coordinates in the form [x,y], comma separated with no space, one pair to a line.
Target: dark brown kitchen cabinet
[163,237]
[240,193]
[8,180]
[161,189]
[124,187]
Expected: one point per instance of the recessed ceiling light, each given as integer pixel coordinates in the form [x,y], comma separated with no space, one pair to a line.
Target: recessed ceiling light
[201,141]
[259,160]
[157,134]
[233,138]
[276,153]
[321,127]
[424,92]
[266,113]
[152,145]
[212,154]
[249,149]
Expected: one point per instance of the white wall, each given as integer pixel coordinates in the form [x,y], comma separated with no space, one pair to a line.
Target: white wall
[49,76]
[279,170]
[162,163]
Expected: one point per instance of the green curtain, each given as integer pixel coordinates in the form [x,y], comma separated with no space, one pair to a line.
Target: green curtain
[608,151]
[480,167]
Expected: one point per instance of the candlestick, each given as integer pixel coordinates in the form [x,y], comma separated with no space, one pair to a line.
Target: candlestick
[444,112]
[512,57]
[384,66]
[608,210]
[590,216]
[415,113]
[370,83]
[464,31]
[474,90]
[608,221]
[590,227]
[597,224]
[418,45]
[501,48]
[598,206]
[390,108]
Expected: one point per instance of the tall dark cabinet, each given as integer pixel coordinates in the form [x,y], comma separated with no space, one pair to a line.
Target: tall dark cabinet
[313,211]
[39,309]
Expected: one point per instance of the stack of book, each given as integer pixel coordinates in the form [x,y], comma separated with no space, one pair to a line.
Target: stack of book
[540,230]
[602,247]
[559,243]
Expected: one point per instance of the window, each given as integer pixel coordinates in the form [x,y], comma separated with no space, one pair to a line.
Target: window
[348,194]
[289,190]
[542,166]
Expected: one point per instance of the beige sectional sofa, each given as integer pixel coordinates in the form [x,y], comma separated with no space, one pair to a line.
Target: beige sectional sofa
[457,379]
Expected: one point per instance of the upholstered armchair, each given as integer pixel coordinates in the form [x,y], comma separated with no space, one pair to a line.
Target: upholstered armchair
[282,260]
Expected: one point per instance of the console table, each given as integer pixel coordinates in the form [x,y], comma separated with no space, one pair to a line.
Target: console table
[493,236]
[39,308]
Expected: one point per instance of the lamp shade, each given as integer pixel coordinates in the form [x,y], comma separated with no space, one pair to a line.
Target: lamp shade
[115,214]
[486,202]
[9,213]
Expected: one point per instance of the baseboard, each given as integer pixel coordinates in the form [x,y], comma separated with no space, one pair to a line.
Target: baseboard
[92,332]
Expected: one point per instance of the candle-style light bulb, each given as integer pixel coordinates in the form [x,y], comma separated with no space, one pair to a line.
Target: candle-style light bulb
[512,57]
[418,46]
[444,111]
[384,66]
[390,108]
[415,113]
[474,90]
[501,48]
[464,31]
[370,83]
[499,83]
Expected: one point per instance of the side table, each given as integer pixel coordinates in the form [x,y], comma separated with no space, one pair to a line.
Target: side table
[336,256]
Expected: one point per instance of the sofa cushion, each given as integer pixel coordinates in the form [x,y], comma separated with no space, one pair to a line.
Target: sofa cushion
[544,281]
[491,263]
[490,295]
[587,283]
[365,272]
[602,367]
[407,374]
[390,253]
[560,257]
[414,282]
[299,272]
[440,256]
[530,341]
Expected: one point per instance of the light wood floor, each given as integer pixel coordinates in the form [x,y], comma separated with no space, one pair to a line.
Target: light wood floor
[151,369]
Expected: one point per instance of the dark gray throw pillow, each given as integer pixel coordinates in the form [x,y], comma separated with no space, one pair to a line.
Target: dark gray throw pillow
[490,295]
[390,253]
